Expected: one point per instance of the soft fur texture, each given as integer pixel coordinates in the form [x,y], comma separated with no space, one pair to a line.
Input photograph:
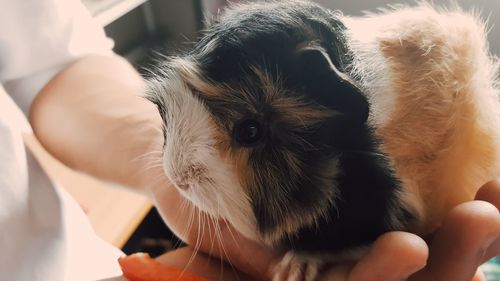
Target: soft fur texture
[361,125]
[431,82]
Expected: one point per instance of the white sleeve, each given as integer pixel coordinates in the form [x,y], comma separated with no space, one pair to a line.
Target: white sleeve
[44,234]
[38,38]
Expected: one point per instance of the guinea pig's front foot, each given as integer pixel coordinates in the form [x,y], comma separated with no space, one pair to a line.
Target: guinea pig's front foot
[296,267]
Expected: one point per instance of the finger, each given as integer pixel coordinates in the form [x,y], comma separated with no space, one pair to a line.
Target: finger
[479,276]
[394,256]
[490,192]
[236,249]
[458,246]
[338,272]
[211,268]
[492,251]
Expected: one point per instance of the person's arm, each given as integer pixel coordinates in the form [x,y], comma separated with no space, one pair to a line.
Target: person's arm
[92,117]
[468,237]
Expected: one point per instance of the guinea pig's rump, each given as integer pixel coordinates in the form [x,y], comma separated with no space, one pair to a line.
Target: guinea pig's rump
[431,83]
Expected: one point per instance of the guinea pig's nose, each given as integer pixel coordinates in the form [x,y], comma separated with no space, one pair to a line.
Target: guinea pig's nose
[193,173]
[183,185]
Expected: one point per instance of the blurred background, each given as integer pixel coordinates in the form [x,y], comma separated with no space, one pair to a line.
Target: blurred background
[142,29]
[140,26]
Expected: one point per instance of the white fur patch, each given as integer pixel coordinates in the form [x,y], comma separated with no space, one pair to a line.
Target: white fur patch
[370,65]
[192,161]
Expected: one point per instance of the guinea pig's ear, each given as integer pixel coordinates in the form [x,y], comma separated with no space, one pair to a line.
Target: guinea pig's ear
[332,87]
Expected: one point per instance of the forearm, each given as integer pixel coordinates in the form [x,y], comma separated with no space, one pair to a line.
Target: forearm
[92,117]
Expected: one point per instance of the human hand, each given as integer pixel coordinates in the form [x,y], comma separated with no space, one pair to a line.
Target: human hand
[393,256]
[469,235]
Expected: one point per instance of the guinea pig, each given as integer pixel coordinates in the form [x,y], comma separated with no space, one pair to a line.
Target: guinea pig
[314,133]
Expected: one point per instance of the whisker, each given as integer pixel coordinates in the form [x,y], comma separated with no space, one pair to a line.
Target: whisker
[224,251]
[148,154]
[199,237]
[210,222]
[186,233]
[156,180]
[151,155]
[218,236]
[150,167]
[214,238]
[182,210]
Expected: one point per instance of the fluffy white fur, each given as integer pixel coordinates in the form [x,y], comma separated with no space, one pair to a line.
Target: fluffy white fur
[192,161]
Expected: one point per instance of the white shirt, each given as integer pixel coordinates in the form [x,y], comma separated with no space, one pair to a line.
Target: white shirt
[44,234]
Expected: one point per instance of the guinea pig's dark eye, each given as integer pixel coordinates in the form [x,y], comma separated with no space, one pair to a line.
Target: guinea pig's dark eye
[248,132]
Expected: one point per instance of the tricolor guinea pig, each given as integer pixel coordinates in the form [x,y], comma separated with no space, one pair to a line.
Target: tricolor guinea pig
[314,133]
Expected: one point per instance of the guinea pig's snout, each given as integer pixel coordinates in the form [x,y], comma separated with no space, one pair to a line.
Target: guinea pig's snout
[183,185]
[190,175]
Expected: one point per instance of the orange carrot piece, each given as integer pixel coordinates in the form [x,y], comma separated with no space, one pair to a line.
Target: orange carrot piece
[141,267]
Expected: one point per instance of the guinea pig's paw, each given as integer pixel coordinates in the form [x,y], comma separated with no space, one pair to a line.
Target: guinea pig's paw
[295,267]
